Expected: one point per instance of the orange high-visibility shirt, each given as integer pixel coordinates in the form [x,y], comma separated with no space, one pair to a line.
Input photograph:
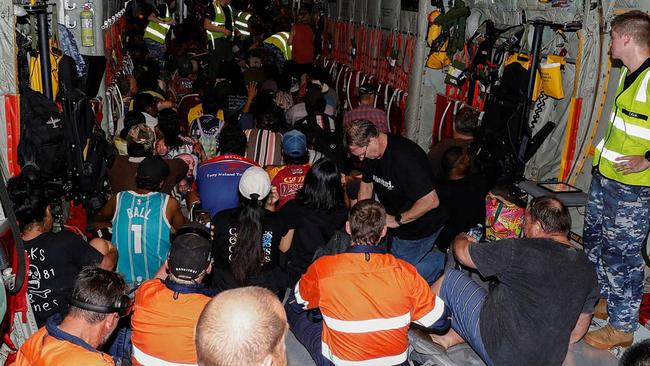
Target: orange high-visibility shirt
[368,301]
[164,325]
[42,349]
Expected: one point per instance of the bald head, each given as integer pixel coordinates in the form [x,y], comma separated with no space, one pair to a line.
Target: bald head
[244,326]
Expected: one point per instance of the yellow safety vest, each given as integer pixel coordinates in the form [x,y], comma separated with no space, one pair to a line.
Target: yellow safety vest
[628,132]
[281,41]
[219,20]
[242,23]
[158,31]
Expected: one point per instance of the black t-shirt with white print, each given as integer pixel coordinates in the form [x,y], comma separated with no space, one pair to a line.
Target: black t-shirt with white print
[225,236]
[55,260]
[401,177]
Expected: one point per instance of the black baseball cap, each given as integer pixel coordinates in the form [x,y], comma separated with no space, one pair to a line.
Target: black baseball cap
[153,169]
[189,255]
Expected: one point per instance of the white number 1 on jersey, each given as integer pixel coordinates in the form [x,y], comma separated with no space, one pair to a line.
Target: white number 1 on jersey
[137,238]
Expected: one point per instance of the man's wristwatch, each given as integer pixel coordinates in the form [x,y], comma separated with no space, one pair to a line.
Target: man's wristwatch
[398,219]
[647,155]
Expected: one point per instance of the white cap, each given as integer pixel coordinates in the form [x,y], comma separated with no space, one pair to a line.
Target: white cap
[255,180]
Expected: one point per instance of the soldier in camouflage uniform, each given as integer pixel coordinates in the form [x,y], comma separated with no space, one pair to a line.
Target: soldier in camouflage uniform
[616,220]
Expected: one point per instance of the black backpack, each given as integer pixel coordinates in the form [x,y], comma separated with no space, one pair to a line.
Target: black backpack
[89,155]
[42,140]
[325,140]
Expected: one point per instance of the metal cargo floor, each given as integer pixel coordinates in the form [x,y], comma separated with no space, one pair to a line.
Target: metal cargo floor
[580,354]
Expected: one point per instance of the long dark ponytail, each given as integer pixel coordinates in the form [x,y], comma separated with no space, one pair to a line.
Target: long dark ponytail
[247,254]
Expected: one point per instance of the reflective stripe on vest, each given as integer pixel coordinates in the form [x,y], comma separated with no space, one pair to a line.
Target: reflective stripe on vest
[628,132]
[146,359]
[219,21]
[281,41]
[242,23]
[158,31]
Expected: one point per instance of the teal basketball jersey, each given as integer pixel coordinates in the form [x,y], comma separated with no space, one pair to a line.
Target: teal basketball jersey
[141,234]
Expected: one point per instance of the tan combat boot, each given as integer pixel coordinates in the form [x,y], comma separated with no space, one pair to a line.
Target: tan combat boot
[600,311]
[608,337]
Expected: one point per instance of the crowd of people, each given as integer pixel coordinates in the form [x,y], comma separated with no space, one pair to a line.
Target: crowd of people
[243,184]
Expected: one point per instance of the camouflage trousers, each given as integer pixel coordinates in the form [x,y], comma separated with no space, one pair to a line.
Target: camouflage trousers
[615,231]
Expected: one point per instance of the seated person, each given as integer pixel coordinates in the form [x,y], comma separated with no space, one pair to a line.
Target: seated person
[323,131]
[217,179]
[170,143]
[143,220]
[299,110]
[314,216]
[206,128]
[148,106]
[545,288]
[247,240]
[55,259]
[462,194]
[465,122]
[229,331]
[290,179]
[139,144]
[182,80]
[367,299]
[161,333]
[367,110]
[264,140]
[131,119]
[97,302]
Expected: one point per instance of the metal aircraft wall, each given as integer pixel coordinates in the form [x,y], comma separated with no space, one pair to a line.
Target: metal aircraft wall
[388,14]
[9,130]
[595,82]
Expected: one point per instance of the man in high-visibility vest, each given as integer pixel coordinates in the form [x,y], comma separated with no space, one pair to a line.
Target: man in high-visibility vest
[160,21]
[278,47]
[219,25]
[242,24]
[616,218]
[244,34]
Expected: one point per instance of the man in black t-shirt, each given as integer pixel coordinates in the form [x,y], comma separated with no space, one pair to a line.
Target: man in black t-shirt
[541,301]
[397,171]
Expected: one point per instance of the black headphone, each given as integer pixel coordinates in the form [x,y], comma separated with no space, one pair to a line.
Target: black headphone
[204,233]
[121,306]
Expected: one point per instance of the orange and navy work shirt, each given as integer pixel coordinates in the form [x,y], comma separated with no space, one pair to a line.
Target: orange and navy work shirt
[52,346]
[164,324]
[368,302]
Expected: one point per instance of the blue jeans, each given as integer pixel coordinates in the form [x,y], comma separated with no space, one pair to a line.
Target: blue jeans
[119,345]
[429,261]
[615,232]
[308,333]
[465,298]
